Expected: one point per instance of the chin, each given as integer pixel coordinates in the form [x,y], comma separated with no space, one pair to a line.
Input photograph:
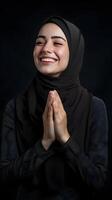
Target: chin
[50,74]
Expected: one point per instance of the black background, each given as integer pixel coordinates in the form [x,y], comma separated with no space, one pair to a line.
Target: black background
[18,22]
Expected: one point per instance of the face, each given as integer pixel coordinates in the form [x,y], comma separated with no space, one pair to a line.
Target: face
[51,51]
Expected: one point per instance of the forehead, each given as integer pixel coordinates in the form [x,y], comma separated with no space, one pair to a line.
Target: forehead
[51,29]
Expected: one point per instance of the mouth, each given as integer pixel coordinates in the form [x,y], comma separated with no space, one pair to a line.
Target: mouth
[48,59]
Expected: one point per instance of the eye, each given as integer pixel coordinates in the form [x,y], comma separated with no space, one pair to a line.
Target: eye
[58,43]
[39,43]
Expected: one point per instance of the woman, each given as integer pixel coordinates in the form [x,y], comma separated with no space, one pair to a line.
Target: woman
[54,135]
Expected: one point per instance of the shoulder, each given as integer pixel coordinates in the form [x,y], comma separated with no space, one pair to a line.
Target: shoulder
[10,105]
[98,105]
[99,112]
[8,115]
[9,109]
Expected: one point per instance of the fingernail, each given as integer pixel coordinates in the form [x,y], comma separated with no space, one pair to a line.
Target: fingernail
[51,93]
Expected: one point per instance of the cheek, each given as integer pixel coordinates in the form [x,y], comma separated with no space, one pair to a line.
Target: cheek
[36,51]
[35,54]
[64,55]
[35,58]
[61,54]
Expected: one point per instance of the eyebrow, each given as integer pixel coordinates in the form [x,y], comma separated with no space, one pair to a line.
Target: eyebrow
[53,37]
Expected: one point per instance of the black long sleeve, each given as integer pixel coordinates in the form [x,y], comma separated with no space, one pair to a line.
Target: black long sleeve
[12,166]
[92,166]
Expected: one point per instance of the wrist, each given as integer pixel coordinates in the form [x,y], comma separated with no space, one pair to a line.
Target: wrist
[65,138]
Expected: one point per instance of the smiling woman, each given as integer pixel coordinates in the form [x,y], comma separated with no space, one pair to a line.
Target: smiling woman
[54,137]
[50,50]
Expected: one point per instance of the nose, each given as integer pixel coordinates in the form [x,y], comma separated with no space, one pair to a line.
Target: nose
[47,47]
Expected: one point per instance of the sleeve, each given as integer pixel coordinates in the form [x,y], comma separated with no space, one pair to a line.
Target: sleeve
[12,166]
[92,166]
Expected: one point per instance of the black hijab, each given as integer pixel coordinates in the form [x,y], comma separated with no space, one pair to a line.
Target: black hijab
[76,99]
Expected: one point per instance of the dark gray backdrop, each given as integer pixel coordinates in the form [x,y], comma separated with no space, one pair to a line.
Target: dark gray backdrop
[18,22]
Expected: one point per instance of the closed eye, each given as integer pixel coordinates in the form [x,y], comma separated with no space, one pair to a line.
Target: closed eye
[57,43]
[39,43]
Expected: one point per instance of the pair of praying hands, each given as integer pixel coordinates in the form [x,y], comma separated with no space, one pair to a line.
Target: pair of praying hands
[54,121]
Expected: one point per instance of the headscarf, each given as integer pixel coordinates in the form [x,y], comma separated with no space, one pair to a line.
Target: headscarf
[76,99]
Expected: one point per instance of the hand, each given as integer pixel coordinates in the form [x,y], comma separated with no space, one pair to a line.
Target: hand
[60,118]
[49,134]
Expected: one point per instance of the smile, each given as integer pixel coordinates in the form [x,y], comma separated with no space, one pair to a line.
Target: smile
[48,59]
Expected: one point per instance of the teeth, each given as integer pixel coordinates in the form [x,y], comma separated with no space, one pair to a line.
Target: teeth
[47,59]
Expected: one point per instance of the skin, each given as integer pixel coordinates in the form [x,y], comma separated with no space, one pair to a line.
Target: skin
[51,57]
[51,52]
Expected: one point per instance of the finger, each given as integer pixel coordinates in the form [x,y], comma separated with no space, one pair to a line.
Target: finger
[55,108]
[51,96]
[46,106]
[50,112]
[58,100]
[49,100]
